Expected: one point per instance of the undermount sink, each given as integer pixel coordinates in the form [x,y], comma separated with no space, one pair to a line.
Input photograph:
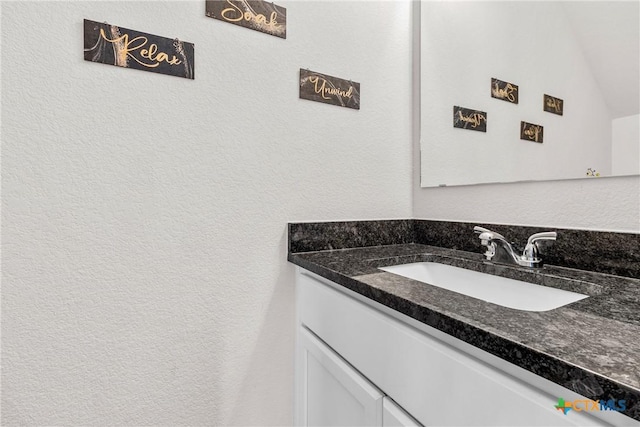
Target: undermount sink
[503,291]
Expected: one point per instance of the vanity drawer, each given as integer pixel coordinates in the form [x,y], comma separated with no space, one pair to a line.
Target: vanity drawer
[435,382]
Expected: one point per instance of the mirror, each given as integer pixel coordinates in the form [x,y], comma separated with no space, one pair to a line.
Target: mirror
[585,55]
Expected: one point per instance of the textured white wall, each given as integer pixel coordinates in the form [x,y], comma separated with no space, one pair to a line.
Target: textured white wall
[609,204]
[144,216]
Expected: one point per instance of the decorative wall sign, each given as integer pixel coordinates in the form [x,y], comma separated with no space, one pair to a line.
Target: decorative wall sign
[254,14]
[505,91]
[531,132]
[553,105]
[329,90]
[109,44]
[465,118]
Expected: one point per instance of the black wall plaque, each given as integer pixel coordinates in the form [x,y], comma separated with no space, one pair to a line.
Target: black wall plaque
[109,44]
[553,105]
[505,91]
[254,14]
[329,90]
[531,132]
[465,118]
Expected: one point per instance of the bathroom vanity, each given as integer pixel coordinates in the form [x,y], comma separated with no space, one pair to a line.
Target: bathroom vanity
[377,348]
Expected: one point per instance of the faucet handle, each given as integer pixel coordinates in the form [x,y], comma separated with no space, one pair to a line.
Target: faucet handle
[545,235]
[478,229]
[487,234]
[531,251]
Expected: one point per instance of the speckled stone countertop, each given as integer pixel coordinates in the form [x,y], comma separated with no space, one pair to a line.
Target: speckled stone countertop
[591,346]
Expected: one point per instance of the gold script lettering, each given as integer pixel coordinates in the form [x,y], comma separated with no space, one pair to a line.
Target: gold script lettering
[533,132]
[322,89]
[235,14]
[475,119]
[506,92]
[555,104]
[136,44]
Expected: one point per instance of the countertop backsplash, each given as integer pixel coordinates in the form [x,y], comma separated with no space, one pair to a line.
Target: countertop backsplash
[598,251]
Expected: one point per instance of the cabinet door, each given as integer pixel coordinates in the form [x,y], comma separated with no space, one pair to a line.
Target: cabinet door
[330,391]
[394,416]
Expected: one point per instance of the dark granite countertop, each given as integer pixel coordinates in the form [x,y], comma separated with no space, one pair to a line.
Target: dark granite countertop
[591,346]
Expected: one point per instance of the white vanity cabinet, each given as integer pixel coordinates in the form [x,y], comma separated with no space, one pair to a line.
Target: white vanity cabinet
[394,416]
[360,363]
[333,393]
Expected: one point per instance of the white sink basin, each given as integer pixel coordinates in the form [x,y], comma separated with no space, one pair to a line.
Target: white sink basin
[495,289]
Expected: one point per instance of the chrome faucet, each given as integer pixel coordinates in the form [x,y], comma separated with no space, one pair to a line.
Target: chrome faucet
[499,250]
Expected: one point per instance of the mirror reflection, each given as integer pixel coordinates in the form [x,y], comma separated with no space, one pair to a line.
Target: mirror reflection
[575,68]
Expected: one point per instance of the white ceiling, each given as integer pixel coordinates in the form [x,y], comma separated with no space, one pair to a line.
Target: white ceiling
[609,33]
